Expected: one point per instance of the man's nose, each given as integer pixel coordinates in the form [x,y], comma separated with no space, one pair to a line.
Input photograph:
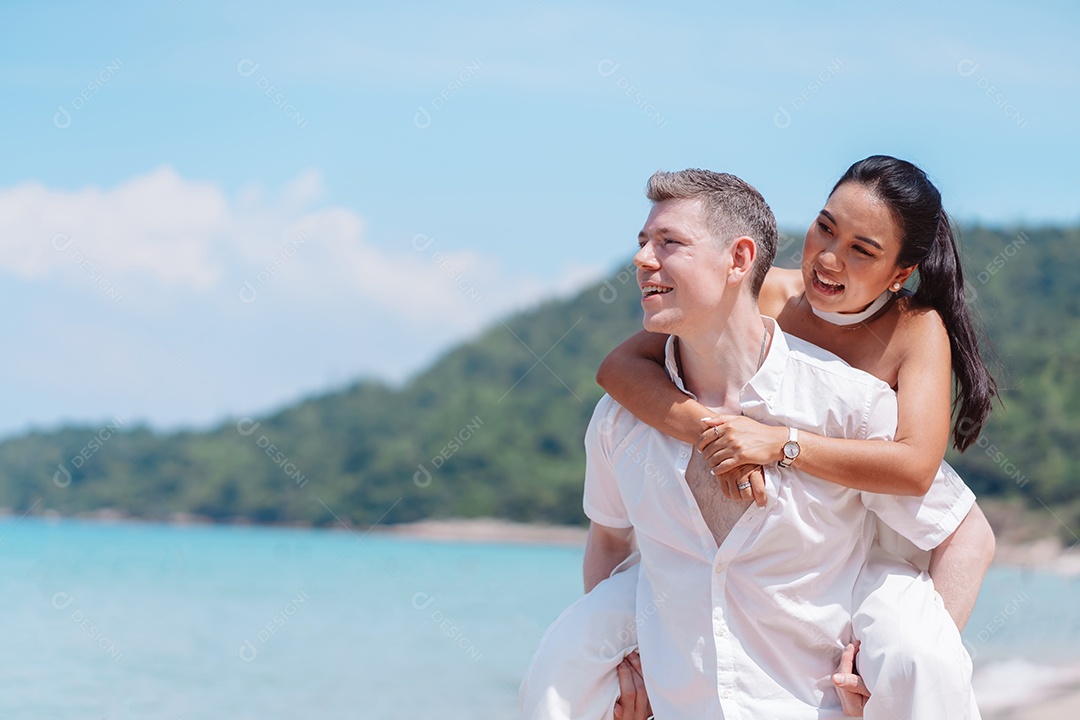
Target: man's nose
[646,258]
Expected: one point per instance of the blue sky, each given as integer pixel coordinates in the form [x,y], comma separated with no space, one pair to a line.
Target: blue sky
[214,209]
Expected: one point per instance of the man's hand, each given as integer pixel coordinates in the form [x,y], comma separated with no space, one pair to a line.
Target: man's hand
[849,685]
[633,702]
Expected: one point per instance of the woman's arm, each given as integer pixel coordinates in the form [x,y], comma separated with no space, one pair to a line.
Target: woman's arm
[633,374]
[905,466]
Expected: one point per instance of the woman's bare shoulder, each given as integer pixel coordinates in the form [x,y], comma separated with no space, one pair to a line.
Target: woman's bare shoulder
[920,323]
[779,287]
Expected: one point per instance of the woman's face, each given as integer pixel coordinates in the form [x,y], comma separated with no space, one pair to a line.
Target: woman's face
[850,251]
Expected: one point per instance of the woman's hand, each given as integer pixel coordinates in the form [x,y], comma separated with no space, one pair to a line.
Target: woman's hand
[850,686]
[731,480]
[734,440]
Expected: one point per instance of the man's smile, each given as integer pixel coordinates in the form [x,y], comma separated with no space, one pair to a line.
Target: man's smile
[652,289]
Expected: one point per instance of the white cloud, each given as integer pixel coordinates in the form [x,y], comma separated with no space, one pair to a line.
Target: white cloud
[166,299]
[160,234]
[157,225]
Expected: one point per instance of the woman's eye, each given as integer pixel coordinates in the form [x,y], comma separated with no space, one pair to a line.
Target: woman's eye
[862,251]
[824,228]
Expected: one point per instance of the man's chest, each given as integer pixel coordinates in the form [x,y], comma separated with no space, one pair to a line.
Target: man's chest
[718,512]
[671,496]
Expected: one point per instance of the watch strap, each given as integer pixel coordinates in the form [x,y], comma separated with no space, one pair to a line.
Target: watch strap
[793,437]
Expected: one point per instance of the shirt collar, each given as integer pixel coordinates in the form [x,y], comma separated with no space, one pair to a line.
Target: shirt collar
[672,366]
[764,384]
[767,381]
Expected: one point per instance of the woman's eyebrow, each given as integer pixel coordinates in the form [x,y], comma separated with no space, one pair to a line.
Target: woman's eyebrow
[863,238]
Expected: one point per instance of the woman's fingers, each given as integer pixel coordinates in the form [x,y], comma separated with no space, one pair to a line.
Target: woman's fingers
[729,484]
[757,486]
[713,433]
[746,484]
[752,476]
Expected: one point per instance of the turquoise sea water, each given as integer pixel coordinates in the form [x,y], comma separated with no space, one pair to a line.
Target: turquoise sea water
[133,620]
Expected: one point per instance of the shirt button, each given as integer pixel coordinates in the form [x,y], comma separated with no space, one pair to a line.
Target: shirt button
[726,694]
[719,568]
[720,632]
[684,454]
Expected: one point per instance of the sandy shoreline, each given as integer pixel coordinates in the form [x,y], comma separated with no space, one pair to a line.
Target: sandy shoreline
[1046,554]
[1065,706]
[487,530]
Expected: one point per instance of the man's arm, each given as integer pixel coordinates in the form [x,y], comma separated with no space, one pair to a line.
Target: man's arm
[605,548]
[959,563]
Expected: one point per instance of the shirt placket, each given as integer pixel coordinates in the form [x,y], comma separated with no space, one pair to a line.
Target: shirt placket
[728,654]
[697,522]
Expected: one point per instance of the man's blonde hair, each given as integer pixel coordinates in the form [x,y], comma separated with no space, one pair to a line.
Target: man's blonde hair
[733,208]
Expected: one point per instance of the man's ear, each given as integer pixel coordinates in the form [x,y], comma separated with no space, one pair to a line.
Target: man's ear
[743,255]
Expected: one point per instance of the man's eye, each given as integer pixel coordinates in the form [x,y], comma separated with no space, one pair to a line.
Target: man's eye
[669,241]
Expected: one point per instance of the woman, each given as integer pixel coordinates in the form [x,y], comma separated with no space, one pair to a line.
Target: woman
[882,221]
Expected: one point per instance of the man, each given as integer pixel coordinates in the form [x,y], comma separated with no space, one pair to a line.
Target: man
[740,608]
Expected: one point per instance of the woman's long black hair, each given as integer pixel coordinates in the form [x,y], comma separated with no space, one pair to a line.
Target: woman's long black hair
[929,243]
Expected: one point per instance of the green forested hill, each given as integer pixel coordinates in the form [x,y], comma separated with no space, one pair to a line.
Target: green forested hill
[495,427]
[1026,285]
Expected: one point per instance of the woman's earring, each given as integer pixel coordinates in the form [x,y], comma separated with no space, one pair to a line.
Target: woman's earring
[896,287]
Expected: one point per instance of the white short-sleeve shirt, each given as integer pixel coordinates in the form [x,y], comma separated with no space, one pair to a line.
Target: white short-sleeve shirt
[755,628]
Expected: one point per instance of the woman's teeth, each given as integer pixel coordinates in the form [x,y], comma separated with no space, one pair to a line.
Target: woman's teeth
[826,283]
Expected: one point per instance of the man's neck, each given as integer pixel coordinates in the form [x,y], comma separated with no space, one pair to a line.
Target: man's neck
[716,365]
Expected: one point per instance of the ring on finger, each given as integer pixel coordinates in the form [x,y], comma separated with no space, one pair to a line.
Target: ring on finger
[743,485]
[717,431]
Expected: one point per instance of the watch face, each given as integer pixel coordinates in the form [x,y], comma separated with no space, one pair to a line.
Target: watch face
[791,450]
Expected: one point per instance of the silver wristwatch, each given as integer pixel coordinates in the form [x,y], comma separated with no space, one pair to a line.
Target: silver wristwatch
[791,448]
